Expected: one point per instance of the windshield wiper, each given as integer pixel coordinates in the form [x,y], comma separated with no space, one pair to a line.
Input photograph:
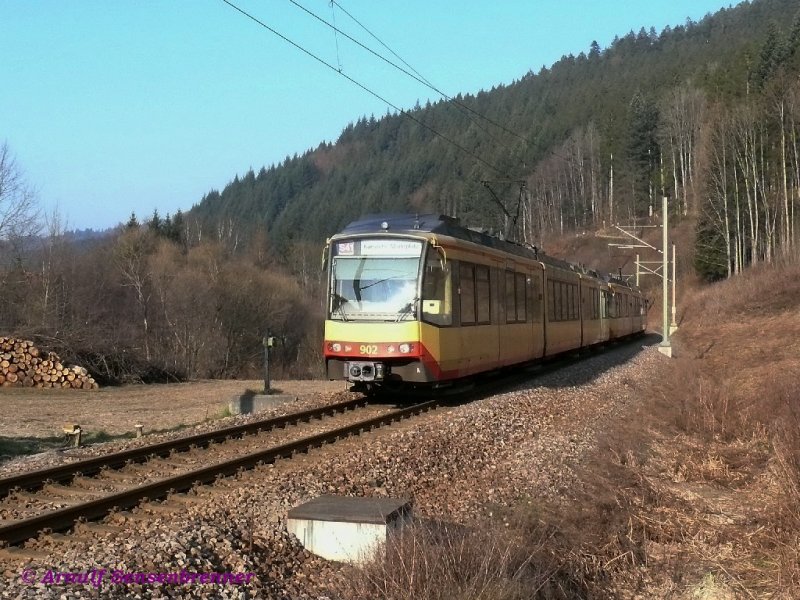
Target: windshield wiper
[369,285]
[339,302]
[406,310]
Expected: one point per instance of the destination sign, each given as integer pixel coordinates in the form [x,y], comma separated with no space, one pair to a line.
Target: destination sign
[391,247]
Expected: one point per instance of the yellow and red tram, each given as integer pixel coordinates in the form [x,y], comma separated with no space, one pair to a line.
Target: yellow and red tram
[420,300]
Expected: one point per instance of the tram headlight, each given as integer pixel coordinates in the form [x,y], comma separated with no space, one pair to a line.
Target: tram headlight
[406,348]
[336,347]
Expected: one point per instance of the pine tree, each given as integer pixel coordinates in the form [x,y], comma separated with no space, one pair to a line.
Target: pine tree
[133,222]
[155,224]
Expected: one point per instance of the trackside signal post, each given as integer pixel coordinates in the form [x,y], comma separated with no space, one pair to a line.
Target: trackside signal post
[269,342]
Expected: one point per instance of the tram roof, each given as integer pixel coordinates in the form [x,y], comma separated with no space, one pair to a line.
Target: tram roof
[450,226]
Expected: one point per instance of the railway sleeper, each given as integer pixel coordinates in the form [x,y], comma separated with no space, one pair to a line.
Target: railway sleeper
[138,467]
[69,492]
[162,508]
[23,555]
[93,483]
[170,462]
[94,529]
[118,475]
[180,499]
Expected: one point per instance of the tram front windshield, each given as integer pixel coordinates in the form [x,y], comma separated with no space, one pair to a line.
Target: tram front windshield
[374,287]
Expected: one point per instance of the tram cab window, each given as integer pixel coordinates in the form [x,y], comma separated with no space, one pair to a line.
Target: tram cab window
[437,286]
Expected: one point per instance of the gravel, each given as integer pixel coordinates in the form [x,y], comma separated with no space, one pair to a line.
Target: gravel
[51,458]
[456,464]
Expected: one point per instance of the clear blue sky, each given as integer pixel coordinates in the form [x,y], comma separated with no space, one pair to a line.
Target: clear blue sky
[113,106]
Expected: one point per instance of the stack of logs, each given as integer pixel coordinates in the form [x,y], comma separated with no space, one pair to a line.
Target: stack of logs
[23,365]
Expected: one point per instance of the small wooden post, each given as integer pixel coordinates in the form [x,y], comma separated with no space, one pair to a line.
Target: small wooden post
[73,432]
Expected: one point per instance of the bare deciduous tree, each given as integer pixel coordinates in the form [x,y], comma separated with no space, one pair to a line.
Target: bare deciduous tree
[18,210]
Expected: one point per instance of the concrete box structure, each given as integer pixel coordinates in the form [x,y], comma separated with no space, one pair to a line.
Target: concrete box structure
[347,529]
[252,403]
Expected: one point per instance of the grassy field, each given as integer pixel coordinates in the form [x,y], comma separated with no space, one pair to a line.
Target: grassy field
[34,418]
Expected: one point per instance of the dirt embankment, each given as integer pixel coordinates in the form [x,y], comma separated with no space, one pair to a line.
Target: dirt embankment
[702,480]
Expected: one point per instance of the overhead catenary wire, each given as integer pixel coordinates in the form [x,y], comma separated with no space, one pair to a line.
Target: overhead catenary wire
[425,81]
[421,79]
[336,38]
[377,39]
[366,89]
[416,76]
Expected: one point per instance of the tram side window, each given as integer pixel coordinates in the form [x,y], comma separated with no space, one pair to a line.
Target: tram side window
[586,301]
[560,301]
[437,286]
[522,298]
[483,294]
[536,297]
[573,302]
[595,304]
[467,284]
[511,298]
[564,301]
[516,298]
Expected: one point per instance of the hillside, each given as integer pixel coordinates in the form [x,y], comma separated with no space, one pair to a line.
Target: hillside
[595,138]
[707,113]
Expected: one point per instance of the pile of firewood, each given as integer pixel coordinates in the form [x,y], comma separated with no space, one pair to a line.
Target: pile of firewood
[23,365]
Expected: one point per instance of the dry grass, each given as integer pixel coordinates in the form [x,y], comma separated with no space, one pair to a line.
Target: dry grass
[710,474]
[695,495]
[491,561]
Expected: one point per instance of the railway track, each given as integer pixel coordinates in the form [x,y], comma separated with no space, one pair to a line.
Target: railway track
[36,479]
[93,498]
[106,499]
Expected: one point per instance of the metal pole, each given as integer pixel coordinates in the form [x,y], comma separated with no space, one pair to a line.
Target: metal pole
[637,270]
[665,347]
[674,325]
[266,365]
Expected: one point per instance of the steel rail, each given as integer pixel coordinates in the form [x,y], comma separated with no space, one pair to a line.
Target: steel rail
[36,479]
[65,518]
